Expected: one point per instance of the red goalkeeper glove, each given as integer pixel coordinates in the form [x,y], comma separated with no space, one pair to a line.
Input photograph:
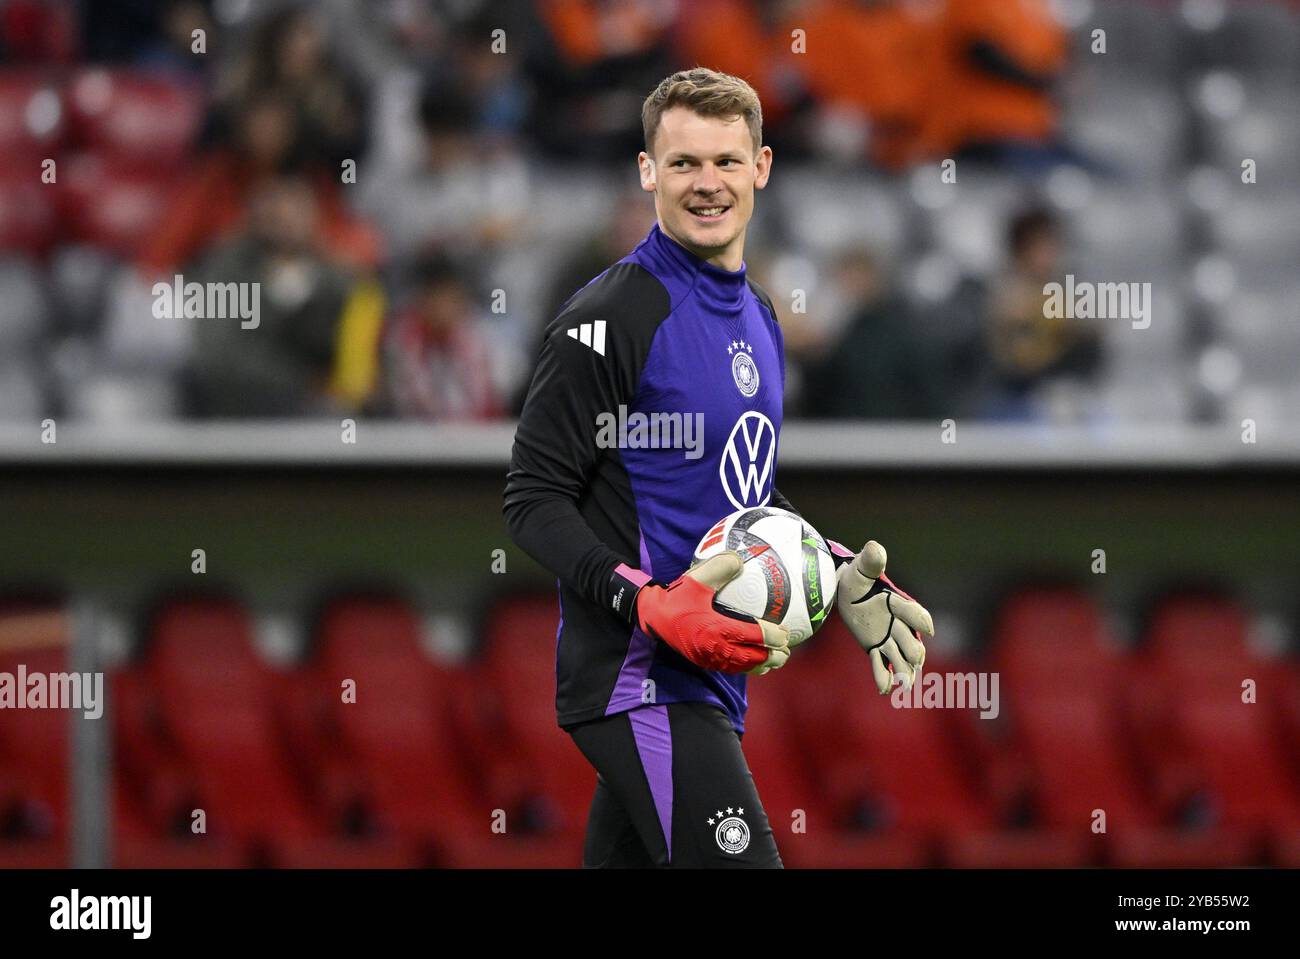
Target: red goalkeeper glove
[684,615]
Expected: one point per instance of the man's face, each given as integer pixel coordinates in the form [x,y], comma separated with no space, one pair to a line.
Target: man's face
[444,305]
[1042,253]
[703,174]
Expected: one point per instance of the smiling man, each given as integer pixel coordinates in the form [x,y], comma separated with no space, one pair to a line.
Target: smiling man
[703,167]
[651,677]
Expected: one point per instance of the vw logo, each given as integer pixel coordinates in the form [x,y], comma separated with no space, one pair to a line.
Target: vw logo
[746,467]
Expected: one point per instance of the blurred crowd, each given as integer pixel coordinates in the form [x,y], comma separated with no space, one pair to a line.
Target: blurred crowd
[419,185]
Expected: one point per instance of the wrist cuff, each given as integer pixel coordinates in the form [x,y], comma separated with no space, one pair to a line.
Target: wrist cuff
[840,553]
[624,584]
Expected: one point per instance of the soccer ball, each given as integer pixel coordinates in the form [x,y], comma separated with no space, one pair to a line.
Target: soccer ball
[789,575]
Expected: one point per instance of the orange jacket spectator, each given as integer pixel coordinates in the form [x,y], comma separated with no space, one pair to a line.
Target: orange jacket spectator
[876,59]
[213,203]
[587,31]
[733,36]
[999,58]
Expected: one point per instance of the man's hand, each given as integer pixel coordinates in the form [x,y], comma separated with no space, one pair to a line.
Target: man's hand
[882,617]
[684,616]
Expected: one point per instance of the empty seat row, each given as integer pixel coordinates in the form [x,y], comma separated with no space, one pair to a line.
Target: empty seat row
[369,751]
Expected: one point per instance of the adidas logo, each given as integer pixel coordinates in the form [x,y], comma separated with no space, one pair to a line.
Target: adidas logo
[585,334]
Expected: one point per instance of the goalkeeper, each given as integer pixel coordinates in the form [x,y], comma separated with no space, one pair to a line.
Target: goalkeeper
[650,674]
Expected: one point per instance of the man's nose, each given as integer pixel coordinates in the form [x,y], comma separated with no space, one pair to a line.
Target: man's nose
[708,180]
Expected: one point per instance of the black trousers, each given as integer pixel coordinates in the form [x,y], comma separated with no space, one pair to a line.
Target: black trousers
[673,790]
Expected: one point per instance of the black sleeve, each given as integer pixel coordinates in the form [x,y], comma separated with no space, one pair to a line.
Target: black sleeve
[840,553]
[781,502]
[995,61]
[591,360]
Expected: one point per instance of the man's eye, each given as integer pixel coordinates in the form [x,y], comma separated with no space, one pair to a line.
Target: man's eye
[678,163]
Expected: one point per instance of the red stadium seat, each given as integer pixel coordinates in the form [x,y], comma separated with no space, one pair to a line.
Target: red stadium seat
[1235,756]
[28,208]
[1060,674]
[34,754]
[1286,848]
[1185,629]
[1242,767]
[216,699]
[1181,849]
[408,749]
[1033,849]
[1054,636]
[518,685]
[34,854]
[841,722]
[347,854]
[34,31]
[32,114]
[141,841]
[1283,692]
[396,746]
[34,748]
[31,126]
[138,119]
[1063,683]
[110,206]
[801,821]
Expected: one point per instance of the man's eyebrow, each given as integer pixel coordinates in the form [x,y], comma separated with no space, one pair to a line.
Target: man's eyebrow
[725,155]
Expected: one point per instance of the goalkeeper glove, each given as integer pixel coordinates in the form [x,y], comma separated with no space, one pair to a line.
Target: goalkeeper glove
[882,617]
[685,616]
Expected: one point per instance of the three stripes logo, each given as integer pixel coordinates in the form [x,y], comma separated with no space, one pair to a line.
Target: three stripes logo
[589,334]
[714,536]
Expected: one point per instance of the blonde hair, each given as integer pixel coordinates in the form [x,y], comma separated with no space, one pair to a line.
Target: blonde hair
[708,93]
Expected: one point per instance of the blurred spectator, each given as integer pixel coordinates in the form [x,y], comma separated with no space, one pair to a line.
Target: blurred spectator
[290,56]
[409,47]
[752,40]
[591,64]
[879,367]
[438,353]
[315,347]
[461,195]
[891,44]
[898,81]
[813,100]
[1027,347]
[990,85]
[37,31]
[155,34]
[212,201]
[632,218]
[491,80]
[452,127]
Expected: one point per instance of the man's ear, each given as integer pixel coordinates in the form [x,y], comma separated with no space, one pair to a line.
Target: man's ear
[762,167]
[646,164]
